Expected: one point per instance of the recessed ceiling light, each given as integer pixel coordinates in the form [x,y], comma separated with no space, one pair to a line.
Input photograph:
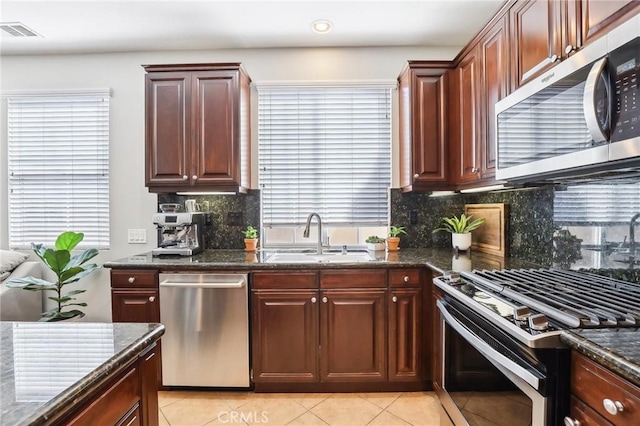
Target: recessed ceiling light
[321,26]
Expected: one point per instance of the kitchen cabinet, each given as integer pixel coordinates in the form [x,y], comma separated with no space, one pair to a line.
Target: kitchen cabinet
[596,393]
[543,32]
[423,91]
[338,330]
[197,128]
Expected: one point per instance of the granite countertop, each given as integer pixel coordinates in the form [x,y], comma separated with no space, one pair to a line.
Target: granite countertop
[616,349]
[46,368]
[438,259]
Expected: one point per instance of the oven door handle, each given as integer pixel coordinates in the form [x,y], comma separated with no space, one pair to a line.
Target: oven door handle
[491,354]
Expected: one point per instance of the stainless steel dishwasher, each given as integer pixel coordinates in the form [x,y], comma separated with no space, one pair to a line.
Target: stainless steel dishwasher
[206,342]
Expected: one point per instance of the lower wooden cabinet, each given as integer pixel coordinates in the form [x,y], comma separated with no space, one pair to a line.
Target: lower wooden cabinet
[338,333]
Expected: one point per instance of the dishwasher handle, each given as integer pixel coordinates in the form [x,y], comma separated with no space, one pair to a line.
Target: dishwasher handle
[239,283]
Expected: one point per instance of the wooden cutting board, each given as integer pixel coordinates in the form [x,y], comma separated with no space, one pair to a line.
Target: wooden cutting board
[491,236]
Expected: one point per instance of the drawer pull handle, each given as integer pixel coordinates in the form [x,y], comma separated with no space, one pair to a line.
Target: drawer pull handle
[132,280]
[395,299]
[314,300]
[406,279]
[194,177]
[152,299]
[185,177]
[416,176]
[568,421]
[612,407]
[325,300]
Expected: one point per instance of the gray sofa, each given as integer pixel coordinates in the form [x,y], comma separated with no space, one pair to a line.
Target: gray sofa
[17,304]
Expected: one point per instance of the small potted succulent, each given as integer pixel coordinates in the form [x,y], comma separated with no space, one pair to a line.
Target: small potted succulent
[375,243]
[68,269]
[250,238]
[460,229]
[393,240]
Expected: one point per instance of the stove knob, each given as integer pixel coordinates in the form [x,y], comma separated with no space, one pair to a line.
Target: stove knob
[538,322]
[521,313]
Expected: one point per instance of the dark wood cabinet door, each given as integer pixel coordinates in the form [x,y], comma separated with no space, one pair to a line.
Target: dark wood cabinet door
[405,316]
[285,336]
[216,128]
[467,160]
[168,119]
[353,336]
[535,38]
[494,87]
[135,306]
[598,16]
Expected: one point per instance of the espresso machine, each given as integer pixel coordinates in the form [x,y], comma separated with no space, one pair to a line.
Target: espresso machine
[179,233]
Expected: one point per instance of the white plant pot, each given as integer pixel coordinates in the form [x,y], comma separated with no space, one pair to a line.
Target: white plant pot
[375,246]
[462,241]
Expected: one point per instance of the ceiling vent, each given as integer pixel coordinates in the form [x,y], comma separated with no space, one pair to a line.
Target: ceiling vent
[17,29]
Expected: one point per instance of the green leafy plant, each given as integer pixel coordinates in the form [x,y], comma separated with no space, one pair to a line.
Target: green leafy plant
[462,225]
[68,269]
[374,239]
[395,231]
[250,233]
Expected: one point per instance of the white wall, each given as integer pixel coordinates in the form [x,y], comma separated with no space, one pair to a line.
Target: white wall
[131,204]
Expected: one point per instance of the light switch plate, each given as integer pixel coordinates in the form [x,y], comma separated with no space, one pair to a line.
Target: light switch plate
[137,236]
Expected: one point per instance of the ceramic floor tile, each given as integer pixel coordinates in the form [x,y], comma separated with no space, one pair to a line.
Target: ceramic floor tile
[346,409]
[307,419]
[309,400]
[417,408]
[195,410]
[169,397]
[236,399]
[162,421]
[387,419]
[381,399]
[273,411]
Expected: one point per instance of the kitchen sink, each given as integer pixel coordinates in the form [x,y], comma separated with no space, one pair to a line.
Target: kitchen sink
[319,258]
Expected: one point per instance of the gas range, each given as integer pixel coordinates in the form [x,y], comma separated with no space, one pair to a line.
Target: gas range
[533,306]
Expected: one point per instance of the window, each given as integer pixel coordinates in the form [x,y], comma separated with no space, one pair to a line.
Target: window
[58,158]
[325,150]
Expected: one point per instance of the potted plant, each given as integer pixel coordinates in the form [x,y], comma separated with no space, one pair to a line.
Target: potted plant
[250,238]
[68,269]
[393,240]
[374,243]
[460,229]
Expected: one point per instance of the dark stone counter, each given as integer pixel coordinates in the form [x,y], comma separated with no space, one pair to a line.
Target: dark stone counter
[616,349]
[46,368]
[438,259]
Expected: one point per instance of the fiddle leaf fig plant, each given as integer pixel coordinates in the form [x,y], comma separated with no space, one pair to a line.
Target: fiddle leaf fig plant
[462,225]
[67,268]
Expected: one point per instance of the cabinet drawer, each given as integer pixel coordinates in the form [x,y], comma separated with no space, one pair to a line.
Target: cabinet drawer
[134,279]
[593,384]
[354,278]
[405,277]
[283,280]
[585,415]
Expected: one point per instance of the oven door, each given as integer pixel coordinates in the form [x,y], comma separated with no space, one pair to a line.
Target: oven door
[488,379]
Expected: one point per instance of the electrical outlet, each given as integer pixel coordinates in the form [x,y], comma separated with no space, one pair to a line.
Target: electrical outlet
[413,217]
[234,218]
[137,236]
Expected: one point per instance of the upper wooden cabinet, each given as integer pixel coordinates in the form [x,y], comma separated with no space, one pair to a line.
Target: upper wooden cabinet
[423,87]
[197,128]
[544,32]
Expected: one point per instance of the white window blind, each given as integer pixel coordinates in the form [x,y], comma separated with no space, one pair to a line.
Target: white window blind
[58,167]
[597,203]
[324,150]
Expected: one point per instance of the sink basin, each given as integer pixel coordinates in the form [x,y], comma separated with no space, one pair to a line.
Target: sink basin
[319,258]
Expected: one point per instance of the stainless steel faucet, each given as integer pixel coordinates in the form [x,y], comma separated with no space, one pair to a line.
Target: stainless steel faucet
[632,232]
[306,230]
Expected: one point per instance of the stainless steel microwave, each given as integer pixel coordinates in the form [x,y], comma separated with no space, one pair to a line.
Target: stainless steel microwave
[581,119]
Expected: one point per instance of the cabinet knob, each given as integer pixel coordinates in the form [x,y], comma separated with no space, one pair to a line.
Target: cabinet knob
[194,177]
[416,176]
[152,298]
[568,421]
[569,49]
[185,177]
[554,58]
[395,299]
[612,407]
[132,280]
[406,279]
[314,300]
[325,300]
[474,170]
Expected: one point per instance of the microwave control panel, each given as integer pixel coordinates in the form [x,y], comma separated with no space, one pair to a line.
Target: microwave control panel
[624,67]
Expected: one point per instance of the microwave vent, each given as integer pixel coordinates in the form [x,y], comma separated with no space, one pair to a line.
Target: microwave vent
[17,29]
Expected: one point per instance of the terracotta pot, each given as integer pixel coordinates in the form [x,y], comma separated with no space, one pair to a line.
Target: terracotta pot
[392,243]
[250,244]
[462,241]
